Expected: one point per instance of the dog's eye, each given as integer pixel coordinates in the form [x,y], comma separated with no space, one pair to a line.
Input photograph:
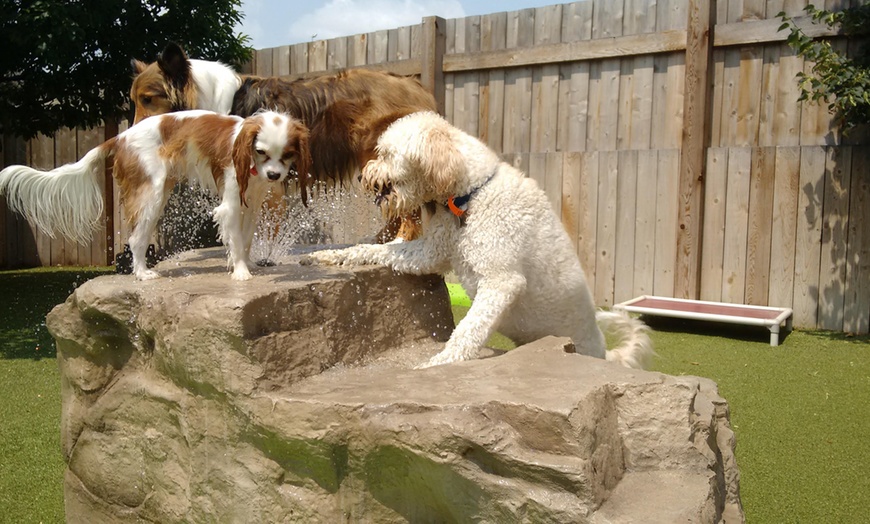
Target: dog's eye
[146,100]
[261,152]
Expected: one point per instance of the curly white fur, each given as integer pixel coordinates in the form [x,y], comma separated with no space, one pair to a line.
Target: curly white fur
[509,251]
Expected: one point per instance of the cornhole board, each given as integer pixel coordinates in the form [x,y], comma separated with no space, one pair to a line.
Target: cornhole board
[770,317]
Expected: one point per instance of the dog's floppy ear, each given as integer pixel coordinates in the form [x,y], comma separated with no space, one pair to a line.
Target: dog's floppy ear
[174,64]
[439,159]
[298,138]
[243,149]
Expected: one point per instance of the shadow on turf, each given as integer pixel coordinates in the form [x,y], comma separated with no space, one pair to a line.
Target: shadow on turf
[713,329]
[740,332]
[28,296]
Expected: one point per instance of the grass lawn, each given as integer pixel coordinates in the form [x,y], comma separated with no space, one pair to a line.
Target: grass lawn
[31,464]
[800,411]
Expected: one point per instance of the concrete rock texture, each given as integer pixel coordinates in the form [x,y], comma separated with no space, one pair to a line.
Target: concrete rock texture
[293,398]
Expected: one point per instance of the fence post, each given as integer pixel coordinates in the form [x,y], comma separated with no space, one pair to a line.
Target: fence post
[432,58]
[111,130]
[693,153]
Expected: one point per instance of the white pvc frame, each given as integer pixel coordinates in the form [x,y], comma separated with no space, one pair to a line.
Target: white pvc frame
[773,324]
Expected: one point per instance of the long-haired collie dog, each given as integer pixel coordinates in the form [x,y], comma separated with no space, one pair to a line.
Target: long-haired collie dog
[496,230]
[239,159]
[174,83]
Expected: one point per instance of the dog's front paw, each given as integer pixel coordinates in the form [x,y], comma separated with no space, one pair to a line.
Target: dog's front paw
[445,357]
[330,257]
[148,274]
[240,275]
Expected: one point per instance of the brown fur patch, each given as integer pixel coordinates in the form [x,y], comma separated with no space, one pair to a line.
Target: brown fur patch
[211,135]
[340,110]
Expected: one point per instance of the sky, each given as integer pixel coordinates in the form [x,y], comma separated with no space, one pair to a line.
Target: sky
[273,23]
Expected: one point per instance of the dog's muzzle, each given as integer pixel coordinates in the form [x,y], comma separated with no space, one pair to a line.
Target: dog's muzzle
[273,175]
[382,193]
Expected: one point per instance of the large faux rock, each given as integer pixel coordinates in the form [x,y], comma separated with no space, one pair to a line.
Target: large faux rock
[293,398]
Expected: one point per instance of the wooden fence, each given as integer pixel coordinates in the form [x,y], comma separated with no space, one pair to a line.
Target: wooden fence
[667,134]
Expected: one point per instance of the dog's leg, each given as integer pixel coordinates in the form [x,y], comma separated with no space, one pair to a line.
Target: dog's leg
[143,222]
[228,216]
[495,294]
[139,247]
[417,257]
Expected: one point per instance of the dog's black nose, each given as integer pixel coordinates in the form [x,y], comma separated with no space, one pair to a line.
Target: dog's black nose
[273,175]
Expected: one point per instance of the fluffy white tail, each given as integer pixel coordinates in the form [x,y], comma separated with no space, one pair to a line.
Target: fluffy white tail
[634,348]
[65,201]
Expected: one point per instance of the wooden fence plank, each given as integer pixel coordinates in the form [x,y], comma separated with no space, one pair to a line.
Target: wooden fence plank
[608,169]
[538,170]
[857,300]
[281,60]
[434,36]
[403,43]
[553,180]
[767,96]
[317,56]
[493,35]
[712,252]
[336,53]
[518,84]
[449,78]
[545,82]
[637,80]
[94,253]
[693,150]
[645,225]
[392,45]
[356,50]
[574,85]
[748,97]
[762,177]
[808,237]
[377,48]
[298,59]
[587,241]
[667,216]
[42,157]
[263,62]
[64,252]
[787,110]
[729,99]
[783,231]
[626,222]
[668,78]
[736,225]
[571,197]
[835,213]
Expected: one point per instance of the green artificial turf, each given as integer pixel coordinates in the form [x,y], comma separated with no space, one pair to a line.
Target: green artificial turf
[799,411]
[31,464]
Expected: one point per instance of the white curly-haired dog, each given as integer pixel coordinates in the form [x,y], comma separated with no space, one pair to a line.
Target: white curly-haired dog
[496,230]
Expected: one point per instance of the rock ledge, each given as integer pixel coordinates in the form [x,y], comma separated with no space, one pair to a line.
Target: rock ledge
[292,397]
